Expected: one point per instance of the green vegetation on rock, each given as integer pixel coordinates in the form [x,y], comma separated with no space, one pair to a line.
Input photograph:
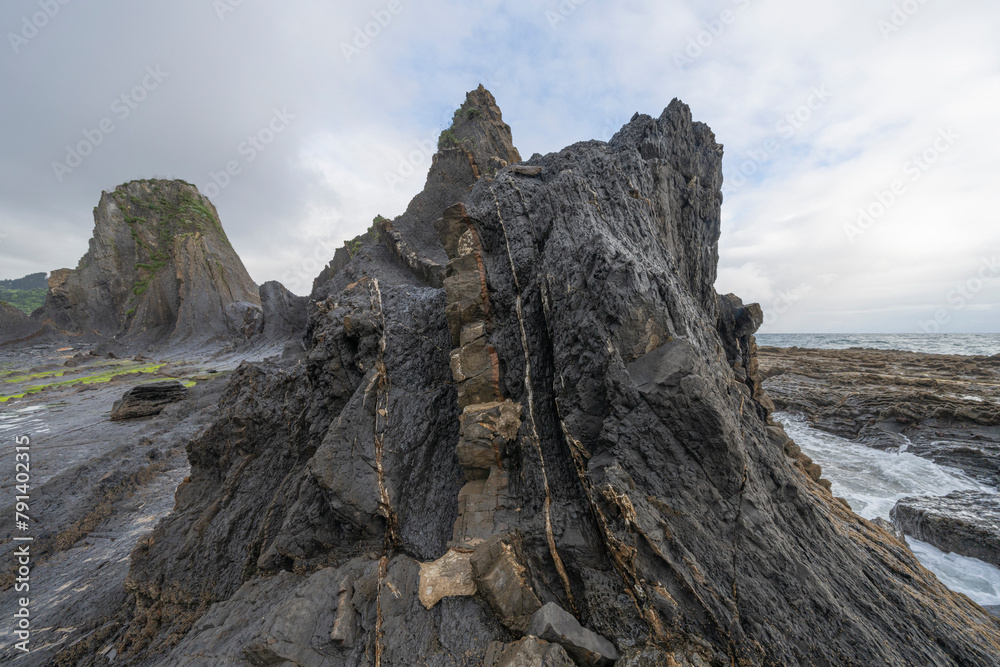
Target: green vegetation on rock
[447,140]
[106,374]
[174,218]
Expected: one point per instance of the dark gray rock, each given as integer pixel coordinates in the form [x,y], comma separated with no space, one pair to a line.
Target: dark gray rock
[642,482]
[147,400]
[554,624]
[13,322]
[534,652]
[284,314]
[962,522]
[160,271]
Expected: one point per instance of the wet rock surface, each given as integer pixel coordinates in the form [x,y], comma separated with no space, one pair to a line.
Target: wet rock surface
[942,407]
[97,486]
[147,400]
[962,522]
[564,414]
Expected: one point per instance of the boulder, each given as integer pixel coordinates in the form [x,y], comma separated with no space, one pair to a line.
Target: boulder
[534,652]
[554,624]
[147,400]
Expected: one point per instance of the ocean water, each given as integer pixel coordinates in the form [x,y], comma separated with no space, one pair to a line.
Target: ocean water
[873,480]
[967,344]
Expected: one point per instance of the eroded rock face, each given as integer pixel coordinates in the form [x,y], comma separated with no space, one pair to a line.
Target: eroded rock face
[13,322]
[962,522]
[571,411]
[554,624]
[284,314]
[159,270]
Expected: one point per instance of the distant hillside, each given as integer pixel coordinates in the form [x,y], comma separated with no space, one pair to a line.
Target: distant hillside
[34,281]
[25,300]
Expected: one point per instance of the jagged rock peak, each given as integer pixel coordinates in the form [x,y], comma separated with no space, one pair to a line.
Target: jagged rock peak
[571,421]
[478,144]
[479,129]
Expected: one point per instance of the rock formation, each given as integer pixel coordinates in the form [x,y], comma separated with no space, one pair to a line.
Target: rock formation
[524,408]
[161,271]
[284,313]
[962,522]
[13,322]
[147,400]
[942,407]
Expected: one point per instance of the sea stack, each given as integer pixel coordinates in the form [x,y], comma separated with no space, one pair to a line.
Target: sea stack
[160,270]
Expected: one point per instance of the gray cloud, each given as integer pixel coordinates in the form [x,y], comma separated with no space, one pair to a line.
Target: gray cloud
[799,165]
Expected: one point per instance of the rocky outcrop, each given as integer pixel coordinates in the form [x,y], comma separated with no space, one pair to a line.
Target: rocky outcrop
[942,407]
[159,270]
[13,322]
[571,419]
[284,314]
[147,400]
[962,522]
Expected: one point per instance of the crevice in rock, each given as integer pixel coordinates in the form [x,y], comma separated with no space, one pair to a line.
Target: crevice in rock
[529,393]
[382,387]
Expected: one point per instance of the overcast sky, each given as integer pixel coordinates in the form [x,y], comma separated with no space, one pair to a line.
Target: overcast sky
[824,108]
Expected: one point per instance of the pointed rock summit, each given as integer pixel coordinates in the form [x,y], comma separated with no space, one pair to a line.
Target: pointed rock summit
[478,143]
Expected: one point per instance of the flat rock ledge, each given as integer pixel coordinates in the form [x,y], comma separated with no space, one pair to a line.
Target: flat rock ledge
[962,522]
